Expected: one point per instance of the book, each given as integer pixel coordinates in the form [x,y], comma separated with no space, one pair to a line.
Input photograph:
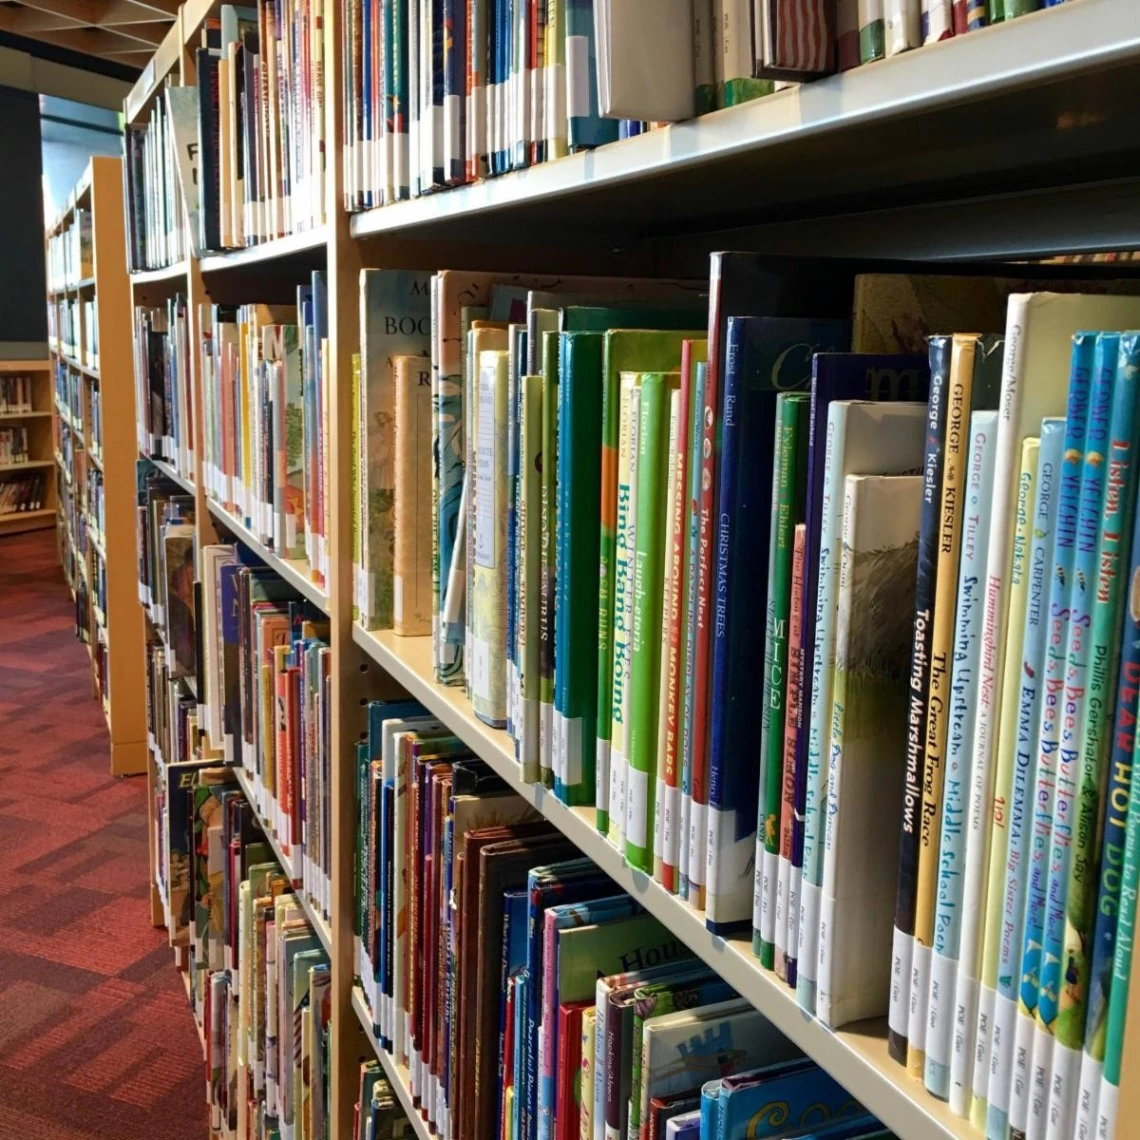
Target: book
[756,346]
[880,537]
[861,436]
[918,681]
[791,412]
[1003,776]
[648,586]
[1012,874]
[1104,659]
[1045,321]
[411,555]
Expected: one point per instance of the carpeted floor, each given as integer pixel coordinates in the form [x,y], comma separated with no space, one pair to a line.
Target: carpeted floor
[96,1040]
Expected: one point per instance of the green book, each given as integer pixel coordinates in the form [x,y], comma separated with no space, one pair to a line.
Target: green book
[626,350]
[488,664]
[576,643]
[788,481]
[587,953]
[530,561]
[648,584]
[547,580]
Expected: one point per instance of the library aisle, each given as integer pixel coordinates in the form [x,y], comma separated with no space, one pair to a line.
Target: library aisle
[95,1039]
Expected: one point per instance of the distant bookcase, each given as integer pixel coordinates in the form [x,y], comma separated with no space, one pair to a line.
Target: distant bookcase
[88,395]
[27,480]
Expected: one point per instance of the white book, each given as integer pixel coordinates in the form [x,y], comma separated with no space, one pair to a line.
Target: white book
[645,59]
[1039,327]
[868,745]
[863,437]
[903,25]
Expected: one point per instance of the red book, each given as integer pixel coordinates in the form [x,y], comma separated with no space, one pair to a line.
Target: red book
[568,1067]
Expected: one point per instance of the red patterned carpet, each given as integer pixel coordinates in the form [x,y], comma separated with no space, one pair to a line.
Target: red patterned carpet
[96,1041]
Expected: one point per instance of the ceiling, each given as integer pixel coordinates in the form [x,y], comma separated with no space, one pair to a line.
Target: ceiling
[125,32]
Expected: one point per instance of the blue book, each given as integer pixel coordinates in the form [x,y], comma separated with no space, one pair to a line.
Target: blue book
[454,88]
[1115,819]
[766,355]
[803,1093]
[586,128]
[687,1126]
[917,688]
[437,83]
[710,1108]
[1077,664]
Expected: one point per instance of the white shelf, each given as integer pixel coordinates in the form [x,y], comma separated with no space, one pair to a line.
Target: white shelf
[171,472]
[397,1075]
[986,103]
[316,919]
[855,1055]
[303,242]
[297,574]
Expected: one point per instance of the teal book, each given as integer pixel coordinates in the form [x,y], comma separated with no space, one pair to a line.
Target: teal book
[548,582]
[579,491]
[648,584]
[780,1100]
[395,320]
[1096,741]
[1078,663]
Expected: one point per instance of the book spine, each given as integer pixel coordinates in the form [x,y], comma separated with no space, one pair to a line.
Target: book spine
[1011,873]
[1003,777]
[693,537]
[1118,1000]
[903,26]
[986,722]
[607,544]
[960,726]
[665,829]
[449,452]
[780,554]
[530,532]
[1049,728]
[937,21]
[652,460]
[624,557]
[411,599]
[823,664]
[787,923]
[957,393]
[1077,664]
[918,683]
[1110,898]
[872,26]
[548,581]
[489,632]
[1104,658]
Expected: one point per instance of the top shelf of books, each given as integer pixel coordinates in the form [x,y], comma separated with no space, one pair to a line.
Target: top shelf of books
[1033,94]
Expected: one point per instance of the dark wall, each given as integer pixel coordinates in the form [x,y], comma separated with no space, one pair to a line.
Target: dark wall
[23,310]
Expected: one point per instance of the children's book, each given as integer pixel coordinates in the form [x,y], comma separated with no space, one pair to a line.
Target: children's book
[868,738]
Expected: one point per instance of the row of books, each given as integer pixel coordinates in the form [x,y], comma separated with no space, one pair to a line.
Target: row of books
[153,187]
[525,993]
[90,355]
[69,330]
[16,394]
[260,103]
[93,500]
[433,100]
[70,257]
[165,407]
[25,492]
[377,1114]
[13,445]
[95,403]
[1013,937]
[260,979]
[68,386]
[265,396]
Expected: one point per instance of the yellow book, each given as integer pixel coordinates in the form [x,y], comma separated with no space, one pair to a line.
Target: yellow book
[955,452]
[1003,779]
[412,594]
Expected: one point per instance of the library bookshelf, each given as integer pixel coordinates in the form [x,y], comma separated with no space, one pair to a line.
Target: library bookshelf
[827,170]
[93,405]
[35,419]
